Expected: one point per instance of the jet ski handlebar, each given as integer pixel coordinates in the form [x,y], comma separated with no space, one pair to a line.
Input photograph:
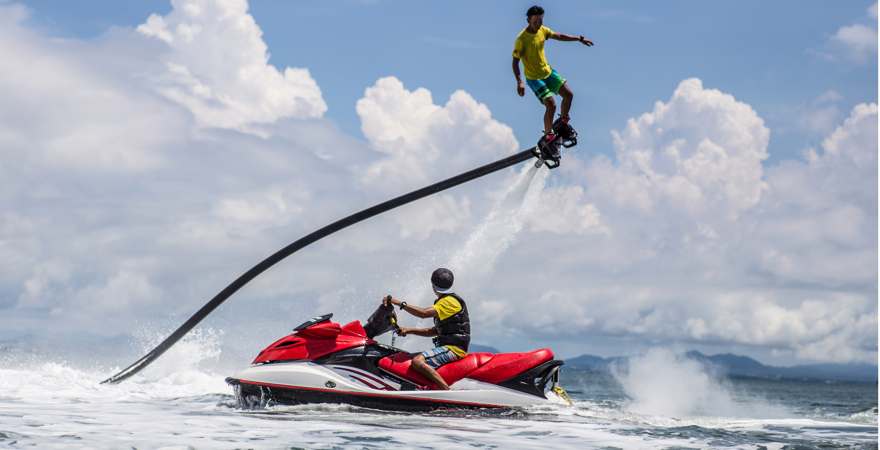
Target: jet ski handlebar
[383,320]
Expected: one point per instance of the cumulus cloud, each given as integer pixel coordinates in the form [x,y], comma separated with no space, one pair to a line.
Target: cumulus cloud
[565,210]
[857,42]
[442,213]
[699,153]
[780,257]
[116,188]
[822,224]
[216,64]
[129,223]
[416,134]
[93,123]
[684,235]
[418,137]
[820,115]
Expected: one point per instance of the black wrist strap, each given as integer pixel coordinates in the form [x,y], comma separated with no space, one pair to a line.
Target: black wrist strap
[402,305]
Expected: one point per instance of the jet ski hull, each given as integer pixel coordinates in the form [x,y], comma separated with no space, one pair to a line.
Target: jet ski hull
[325,362]
[296,383]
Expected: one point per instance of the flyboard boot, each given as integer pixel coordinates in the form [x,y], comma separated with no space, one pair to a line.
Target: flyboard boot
[547,150]
[567,136]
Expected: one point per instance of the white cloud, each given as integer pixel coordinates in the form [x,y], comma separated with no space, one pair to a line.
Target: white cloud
[417,134]
[685,236]
[701,152]
[109,177]
[216,64]
[93,123]
[425,142]
[857,42]
[820,115]
[780,258]
[822,223]
[47,277]
[122,291]
[439,213]
[565,210]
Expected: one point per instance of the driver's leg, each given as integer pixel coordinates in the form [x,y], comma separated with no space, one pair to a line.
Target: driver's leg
[423,368]
[427,362]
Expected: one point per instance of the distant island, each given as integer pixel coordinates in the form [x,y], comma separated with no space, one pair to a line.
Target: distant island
[482,348]
[742,366]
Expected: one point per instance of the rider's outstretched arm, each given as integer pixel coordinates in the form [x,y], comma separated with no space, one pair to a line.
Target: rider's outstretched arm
[569,37]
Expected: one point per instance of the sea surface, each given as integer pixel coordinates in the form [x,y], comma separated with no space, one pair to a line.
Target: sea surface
[659,402]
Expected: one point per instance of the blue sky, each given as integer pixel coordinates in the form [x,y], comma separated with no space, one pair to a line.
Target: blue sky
[766,54]
[723,196]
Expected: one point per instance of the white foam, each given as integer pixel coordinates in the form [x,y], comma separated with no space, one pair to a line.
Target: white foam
[868,416]
[666,385]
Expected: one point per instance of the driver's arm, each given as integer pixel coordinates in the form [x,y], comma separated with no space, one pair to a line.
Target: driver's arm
[426,332]
[422,313]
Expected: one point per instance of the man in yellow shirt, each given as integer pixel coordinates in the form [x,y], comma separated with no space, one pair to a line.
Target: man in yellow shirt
[541,78]
[451,330]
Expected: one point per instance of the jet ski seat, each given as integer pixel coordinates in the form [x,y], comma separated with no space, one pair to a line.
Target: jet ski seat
[492,368]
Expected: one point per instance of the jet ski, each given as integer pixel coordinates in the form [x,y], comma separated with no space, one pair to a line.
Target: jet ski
[325,362]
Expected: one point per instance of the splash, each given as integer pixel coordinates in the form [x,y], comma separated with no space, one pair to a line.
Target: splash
[663,383]
[181,372]
[190,362]
[868,416]
[477,256]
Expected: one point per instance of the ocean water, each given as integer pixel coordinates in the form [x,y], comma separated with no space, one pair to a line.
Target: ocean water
[181,403]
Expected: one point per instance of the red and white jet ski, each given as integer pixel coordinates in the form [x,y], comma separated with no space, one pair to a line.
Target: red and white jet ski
[325,362]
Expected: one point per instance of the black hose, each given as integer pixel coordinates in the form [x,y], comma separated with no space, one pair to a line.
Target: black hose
[138,365]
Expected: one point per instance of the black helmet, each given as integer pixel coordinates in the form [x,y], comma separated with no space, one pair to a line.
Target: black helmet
[442,279]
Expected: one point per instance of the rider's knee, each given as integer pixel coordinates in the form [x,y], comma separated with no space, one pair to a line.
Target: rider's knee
[419,360]
[550,103]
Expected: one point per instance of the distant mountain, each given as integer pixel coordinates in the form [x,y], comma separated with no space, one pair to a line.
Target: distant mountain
[587,362]
[482,348]
[742,366]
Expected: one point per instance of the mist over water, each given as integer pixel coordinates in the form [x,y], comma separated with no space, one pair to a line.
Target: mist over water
[664,383]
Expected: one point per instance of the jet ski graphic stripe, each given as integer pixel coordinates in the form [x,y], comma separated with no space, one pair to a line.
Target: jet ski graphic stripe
[387,386]
[370,385]
[374,395]
[311,238]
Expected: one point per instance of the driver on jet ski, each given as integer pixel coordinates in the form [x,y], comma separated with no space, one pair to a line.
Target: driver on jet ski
[451,330]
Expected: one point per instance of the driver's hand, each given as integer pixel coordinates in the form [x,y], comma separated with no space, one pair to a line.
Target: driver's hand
[402,331]
[389,299]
